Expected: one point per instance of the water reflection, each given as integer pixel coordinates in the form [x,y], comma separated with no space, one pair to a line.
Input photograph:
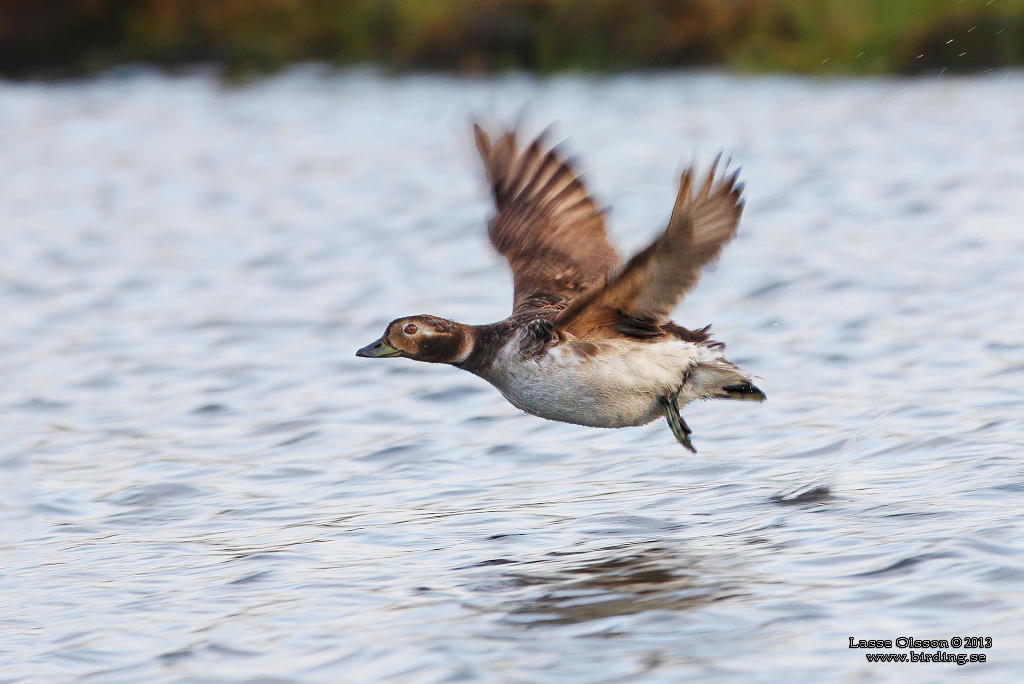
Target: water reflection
[614,581]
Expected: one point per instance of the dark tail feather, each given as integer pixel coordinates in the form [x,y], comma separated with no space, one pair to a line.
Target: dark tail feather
[744,391]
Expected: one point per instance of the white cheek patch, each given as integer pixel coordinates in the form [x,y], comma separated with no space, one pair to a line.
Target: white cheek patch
[465,349]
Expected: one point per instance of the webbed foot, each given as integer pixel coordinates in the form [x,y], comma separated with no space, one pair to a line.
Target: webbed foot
[679,427]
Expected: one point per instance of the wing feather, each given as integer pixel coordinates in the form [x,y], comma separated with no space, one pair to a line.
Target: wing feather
[548,227]
[651,284]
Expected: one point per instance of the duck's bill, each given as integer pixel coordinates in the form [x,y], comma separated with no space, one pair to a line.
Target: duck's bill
[379,349]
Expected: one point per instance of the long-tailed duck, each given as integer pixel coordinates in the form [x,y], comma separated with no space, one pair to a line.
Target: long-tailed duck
[589,340]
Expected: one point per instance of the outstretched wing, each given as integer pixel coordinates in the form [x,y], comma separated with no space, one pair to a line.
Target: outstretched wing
[547,226]
[639,300]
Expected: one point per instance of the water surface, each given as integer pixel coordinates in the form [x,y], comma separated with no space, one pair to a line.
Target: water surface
[203,484]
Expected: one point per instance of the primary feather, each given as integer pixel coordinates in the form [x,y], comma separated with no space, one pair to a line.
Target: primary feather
[652,283]
[547,226]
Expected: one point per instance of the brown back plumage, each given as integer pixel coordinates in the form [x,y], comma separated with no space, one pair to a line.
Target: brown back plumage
[646,291]
[547,226]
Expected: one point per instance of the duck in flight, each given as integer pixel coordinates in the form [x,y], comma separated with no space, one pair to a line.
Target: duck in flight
[589,340]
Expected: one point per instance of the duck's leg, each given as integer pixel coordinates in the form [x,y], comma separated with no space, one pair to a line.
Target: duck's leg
[679,427]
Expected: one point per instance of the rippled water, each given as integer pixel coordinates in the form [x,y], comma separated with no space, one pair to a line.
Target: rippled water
[203,484]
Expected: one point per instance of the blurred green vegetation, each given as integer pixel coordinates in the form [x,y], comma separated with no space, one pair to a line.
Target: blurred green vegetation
[65,37]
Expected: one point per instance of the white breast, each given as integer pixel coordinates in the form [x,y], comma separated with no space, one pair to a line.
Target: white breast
[618,386]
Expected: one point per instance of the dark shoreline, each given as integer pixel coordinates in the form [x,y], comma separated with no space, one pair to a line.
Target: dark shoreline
[47,39]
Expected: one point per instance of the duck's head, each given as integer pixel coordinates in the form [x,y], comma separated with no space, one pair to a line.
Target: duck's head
[423,338]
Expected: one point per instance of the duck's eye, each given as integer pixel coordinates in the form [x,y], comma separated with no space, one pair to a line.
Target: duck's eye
[410,329]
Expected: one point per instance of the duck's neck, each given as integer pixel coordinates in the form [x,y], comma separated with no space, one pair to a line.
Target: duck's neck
[482,345]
